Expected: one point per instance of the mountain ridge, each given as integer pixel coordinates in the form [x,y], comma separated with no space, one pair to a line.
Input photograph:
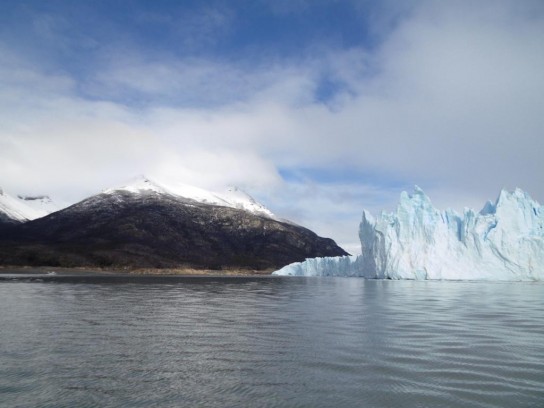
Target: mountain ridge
[146,225]
[233,197]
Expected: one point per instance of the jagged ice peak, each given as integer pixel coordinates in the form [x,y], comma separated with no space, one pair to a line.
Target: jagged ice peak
[503,241]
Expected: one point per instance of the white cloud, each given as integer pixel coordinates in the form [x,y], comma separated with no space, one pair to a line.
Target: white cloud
[452,100]
[329,207]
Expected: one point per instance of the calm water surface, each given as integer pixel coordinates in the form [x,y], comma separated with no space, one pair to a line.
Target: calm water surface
[286,342]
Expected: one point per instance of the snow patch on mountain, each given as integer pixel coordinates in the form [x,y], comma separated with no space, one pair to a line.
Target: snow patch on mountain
[232,197]
[503,241]
[43,204]
[138,186]
[25,208]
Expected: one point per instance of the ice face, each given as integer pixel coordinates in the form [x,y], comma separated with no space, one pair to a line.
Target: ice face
[504,241]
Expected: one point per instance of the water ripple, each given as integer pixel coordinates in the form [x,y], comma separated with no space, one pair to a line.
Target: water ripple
[272,343]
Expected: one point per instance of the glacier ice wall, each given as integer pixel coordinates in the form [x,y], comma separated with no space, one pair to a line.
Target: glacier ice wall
[504,241]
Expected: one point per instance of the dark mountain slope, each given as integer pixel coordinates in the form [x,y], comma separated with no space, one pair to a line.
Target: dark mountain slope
[151,229]
[6,220]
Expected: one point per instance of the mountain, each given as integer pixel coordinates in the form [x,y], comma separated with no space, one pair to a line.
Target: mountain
[503,241]
[18,209]
[146,224]
[232,197]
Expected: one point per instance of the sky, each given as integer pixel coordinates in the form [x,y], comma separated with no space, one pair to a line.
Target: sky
[319,109]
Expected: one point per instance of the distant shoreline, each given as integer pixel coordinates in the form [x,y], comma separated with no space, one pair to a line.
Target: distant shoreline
[152,272]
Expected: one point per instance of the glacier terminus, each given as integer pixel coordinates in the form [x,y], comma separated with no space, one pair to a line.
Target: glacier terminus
[504,241]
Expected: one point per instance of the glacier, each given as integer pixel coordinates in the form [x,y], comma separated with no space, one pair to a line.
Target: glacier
[504,242]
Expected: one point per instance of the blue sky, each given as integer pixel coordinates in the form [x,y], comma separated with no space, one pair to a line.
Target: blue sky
[318,108]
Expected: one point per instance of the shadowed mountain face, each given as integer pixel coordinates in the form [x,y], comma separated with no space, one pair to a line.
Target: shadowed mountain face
[152,229]
[6,220]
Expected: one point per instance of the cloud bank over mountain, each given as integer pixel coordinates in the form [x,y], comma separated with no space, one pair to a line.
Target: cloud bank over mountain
[317,108]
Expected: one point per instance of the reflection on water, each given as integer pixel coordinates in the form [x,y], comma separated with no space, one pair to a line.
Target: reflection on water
[272,342]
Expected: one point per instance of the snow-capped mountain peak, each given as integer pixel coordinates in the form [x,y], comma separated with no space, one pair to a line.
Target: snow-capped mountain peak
[138,185]
[232,197]
[25,208]
[242,200]
[43,204]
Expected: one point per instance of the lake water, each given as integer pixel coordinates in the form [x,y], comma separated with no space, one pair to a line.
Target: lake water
[285,342]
